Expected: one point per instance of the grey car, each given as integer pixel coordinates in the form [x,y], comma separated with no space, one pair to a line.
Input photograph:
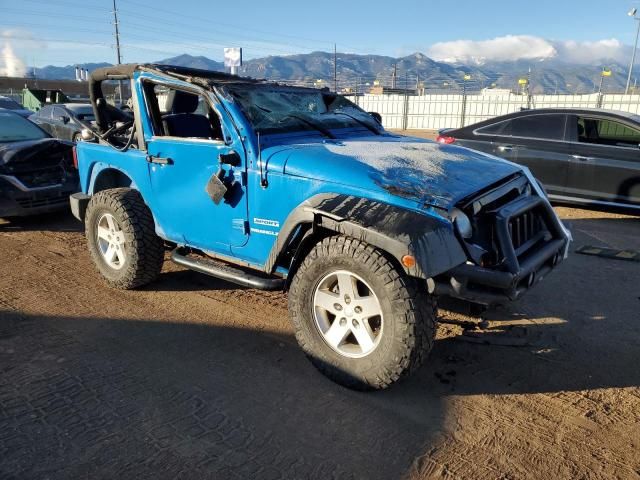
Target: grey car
[582,156]
[64,120]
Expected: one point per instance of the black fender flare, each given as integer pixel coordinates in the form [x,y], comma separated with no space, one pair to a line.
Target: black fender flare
[393,229]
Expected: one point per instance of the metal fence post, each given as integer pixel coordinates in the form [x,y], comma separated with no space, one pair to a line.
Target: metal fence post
[464,104]
[357,99]
[405,113]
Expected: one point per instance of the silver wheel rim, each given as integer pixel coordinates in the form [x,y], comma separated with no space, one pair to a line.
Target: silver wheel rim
[110,239]
[347,314]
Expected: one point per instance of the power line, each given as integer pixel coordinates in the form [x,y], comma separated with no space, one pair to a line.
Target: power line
[56,27]
[67,3]
[235,27]
[151,26]
[42,14]
[41,39]
[211,41]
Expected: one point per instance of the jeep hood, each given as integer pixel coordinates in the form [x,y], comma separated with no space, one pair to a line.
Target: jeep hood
[416,169]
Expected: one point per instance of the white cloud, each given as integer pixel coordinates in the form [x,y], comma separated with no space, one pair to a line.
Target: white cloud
[526,47]
[588,52]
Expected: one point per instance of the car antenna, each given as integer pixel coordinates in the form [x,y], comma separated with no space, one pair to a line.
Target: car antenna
[263,179]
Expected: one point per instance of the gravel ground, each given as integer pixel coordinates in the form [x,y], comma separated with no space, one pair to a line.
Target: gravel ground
[192,377]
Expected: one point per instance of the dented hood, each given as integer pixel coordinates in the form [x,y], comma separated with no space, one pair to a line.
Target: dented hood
[32,150]
[417,169]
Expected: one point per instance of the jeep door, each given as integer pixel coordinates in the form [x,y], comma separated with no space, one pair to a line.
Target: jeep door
[184,153]
[605,162]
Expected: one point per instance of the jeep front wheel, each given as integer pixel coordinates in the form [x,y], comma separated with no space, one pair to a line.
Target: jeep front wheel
[359,318]
[121,237]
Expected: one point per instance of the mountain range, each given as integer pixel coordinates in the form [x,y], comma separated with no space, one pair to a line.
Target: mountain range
[546,76]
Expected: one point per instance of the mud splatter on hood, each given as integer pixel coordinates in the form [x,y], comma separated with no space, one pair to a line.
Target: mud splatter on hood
[417,169]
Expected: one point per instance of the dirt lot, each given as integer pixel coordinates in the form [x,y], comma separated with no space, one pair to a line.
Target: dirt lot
[195,378]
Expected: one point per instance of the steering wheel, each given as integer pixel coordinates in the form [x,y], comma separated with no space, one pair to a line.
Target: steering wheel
[117,129]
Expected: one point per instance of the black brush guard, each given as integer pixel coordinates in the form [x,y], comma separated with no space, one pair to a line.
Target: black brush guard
[532,243]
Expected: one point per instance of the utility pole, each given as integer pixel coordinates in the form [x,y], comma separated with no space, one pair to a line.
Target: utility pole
[632,14]
[335,68]
[393,76]
[117,34]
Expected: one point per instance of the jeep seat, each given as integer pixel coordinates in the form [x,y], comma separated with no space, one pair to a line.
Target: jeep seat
[182,121]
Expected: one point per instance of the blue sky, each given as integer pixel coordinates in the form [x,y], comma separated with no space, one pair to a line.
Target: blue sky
[61,32]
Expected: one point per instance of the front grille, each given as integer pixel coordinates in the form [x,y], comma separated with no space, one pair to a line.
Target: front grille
[43,201]
[526,230]
[509,223]
[42,178]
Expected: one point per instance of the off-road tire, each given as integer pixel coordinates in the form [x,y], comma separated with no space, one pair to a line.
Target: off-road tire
[145,250]
[410,315]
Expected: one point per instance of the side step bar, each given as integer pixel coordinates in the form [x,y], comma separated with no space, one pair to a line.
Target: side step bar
[227,272]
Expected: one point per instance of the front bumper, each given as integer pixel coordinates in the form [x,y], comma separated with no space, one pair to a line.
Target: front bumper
[18,200]
[79,202]
[521,267]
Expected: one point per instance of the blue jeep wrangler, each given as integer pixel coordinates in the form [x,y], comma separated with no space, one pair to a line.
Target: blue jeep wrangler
[279,187]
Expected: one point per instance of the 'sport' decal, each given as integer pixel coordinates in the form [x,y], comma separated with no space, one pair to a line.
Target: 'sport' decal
[266,222]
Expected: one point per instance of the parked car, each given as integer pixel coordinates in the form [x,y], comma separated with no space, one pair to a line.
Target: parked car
[278,187]
[9,103]
[65,120]
[37,173]
[581,156]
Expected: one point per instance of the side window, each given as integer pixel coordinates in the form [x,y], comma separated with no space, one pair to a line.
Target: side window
[45,113]
[607,132]
[179,113]
[58,112]
[543,127]
[502,129]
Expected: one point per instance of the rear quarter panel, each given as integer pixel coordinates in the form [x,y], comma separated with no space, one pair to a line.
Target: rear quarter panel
[94,158]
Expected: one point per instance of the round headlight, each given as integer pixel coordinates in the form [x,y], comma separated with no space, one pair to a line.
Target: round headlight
[462,223]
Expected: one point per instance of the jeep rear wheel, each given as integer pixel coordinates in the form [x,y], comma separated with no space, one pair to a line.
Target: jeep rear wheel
[359,318]
[121,238]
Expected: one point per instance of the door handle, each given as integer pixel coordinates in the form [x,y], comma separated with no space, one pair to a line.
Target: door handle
[581,158]
[159,160]
[505,148]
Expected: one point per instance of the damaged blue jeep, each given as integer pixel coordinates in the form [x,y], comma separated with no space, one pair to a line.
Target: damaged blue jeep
[279,187]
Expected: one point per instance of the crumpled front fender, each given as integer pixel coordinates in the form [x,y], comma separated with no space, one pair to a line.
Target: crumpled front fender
[395,230]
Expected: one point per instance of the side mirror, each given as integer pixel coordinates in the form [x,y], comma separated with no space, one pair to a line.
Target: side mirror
[64,119]
[376,116]
[87,135]
[232,158]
